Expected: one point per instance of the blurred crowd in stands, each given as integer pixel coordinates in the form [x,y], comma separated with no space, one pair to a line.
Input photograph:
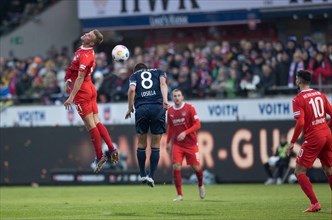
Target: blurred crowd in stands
[15,12]
[213,70]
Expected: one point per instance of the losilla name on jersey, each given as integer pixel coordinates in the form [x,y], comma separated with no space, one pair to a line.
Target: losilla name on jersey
[148,93]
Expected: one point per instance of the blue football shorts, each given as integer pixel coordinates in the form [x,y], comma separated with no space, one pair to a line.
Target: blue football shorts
[150,116]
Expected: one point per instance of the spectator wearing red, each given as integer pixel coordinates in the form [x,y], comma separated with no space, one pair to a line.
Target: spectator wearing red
[320,67]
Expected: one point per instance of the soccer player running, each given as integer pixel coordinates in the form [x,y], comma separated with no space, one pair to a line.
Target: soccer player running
[84,95]
[309,108]
[148,94]
[183,123]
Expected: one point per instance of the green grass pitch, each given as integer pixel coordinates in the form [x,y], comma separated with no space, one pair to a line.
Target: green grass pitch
[223,201]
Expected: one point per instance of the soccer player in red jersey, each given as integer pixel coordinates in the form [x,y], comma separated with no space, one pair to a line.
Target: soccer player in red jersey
[84,95]
[310,108]
[183,123]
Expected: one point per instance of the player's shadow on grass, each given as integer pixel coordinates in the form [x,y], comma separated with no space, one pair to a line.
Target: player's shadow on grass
[125,214]
[184,214]
[213,200]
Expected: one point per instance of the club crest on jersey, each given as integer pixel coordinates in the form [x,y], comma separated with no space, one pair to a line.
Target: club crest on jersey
[183,114]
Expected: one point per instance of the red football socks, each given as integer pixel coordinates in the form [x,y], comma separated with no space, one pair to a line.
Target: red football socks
[178,181]
[307,187]
[95,138]
[105,135]
[330,180]
[199,175]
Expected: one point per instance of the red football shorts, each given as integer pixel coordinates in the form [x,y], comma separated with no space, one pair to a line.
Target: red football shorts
[86,100]
[190,153]
[318,147]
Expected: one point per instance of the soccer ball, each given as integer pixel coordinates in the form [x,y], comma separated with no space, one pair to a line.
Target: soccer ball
[120,53]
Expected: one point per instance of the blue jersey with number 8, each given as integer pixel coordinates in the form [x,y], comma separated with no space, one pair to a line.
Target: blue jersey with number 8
[147,84]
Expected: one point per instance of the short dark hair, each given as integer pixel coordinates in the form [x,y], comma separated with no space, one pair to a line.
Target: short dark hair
[140,66]
[305,75]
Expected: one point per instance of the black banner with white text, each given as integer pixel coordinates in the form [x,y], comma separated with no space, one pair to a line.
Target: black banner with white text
[231,151]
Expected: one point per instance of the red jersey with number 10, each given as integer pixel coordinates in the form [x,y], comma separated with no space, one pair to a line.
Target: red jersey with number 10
[312,106]
[83,61]
[179,120]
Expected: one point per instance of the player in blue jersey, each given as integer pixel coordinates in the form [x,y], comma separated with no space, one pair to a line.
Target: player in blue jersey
[148,94]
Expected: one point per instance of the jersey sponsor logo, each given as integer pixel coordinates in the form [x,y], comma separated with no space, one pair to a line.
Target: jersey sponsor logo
[178,121]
